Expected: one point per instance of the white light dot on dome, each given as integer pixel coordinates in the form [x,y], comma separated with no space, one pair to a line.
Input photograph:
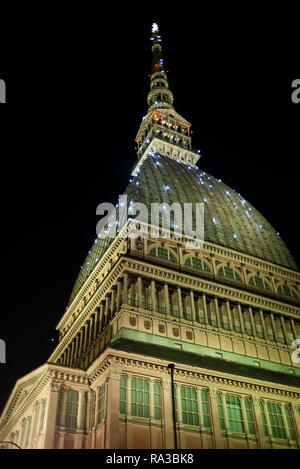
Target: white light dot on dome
[260,227]
[235,236]
[227,192]
[205,200]
[214,220]
[137,183]
[210,186]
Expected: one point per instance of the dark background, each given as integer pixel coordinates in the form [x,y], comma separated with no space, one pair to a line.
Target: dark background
[76,94]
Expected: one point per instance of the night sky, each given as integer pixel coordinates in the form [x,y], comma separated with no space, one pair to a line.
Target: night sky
[76,94]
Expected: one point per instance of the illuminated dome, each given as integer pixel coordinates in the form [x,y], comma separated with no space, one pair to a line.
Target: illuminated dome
[229,219]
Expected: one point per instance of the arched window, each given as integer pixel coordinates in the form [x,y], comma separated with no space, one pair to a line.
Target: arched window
[162,253]
[197,264]
[71,409]
[259,282]
[284,290]
[228,272]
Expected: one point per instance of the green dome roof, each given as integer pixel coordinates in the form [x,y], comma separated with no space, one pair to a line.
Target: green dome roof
[229,220]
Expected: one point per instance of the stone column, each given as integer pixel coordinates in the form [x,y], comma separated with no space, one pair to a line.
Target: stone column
[167,419]
[85,328]
[106,312]
[274,327]
[193,310]
[101,317]
[284,330]
[81,335]
[62,417]
[204,308]
[119,294]
[167,302]
[293,328]
[112,436]
[76,348]
[244,415]
[252,321]
[229,315]
[286,426]
[217,311]
[96,323]
[68,356]
[113,302]
[153,295]
[72,352]
[180,308]
[90,334]
[262,320]
[125,289]
[215,419]
[268,421]
[139,291]
[241,318]
[180,439]
[296,419]
[258,422]
[50,415]
[80,409]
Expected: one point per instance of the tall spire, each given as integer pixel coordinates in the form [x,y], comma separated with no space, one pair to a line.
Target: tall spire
[159,95]
[163,130]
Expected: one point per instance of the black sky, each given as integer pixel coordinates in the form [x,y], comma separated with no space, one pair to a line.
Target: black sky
[76,96]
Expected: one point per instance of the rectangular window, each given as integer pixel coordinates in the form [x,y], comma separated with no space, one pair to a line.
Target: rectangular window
[83,413]
[71,409]
[276,420]
[189,406]
[157,401]
[101,403]
[140,397]
[289,421]
[234,413]
[123,394]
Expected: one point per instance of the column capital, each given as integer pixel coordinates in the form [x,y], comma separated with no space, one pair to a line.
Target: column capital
[55,386]
[212,392]
[255,399]
[165,382]
[115,373]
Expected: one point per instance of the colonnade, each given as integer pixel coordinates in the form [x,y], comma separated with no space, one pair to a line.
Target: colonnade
[186,304]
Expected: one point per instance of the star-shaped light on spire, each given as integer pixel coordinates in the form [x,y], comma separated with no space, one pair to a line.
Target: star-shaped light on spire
[155,27]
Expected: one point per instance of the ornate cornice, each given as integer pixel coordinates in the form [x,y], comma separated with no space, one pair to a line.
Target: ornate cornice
[210,287]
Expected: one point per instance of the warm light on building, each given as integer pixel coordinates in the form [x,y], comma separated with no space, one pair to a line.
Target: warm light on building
[225,315]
